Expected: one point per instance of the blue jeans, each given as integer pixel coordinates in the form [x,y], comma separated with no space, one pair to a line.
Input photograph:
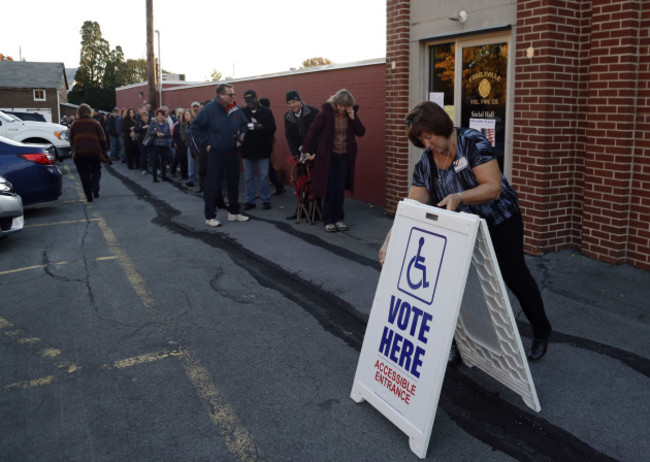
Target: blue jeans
[190,167]
[336,180]
[262,166]
[220,164]
[116,147]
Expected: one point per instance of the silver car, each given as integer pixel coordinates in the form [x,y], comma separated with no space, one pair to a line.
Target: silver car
[11,209]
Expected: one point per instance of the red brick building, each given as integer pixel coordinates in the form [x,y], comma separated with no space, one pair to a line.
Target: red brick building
[576,135]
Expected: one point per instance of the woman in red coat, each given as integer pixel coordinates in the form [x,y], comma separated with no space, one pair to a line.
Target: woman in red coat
[336,128]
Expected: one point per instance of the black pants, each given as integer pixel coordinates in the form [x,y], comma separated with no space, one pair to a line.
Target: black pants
[274,178]
[202,161]
[132,153]
[90,171]
[508,242]
[219,165]
[160,155]
[180,160]
[336,179]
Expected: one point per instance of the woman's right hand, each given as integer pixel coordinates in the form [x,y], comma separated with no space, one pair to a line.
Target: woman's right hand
[382,253]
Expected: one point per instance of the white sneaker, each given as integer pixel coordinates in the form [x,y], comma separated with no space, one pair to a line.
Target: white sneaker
[237,217]
[213,222]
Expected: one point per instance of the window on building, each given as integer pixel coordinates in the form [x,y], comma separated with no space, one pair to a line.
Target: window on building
[39,95]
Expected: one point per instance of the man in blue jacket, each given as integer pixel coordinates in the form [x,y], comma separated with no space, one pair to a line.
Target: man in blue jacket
[219,130]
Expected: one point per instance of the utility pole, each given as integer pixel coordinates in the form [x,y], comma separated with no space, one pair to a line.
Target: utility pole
[151,63]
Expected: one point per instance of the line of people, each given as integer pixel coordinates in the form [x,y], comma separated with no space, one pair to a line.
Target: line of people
[325,140]
[209,142]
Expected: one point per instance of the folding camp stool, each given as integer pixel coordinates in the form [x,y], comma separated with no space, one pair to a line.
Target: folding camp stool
[301,182]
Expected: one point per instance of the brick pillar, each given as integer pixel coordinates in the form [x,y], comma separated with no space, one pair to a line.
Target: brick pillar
[549,135]
[398,23]
[611,123]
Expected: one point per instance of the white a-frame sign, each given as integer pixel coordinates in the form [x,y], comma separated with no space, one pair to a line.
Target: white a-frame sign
[440,279]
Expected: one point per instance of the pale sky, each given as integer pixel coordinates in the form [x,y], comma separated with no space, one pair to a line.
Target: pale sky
[249,37]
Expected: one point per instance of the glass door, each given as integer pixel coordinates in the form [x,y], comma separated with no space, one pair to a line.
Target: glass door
[469,79]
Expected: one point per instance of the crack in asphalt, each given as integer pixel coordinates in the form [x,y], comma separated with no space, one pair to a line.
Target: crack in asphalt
[482,414]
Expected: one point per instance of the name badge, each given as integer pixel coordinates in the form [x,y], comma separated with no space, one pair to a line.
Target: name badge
[460,164]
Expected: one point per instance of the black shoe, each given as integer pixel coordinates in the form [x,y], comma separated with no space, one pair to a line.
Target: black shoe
[454,356]
[292,217]
[189,184]
[155,180]
[248,206]
[277,192]
[266,205]
[96,194]
[537,349]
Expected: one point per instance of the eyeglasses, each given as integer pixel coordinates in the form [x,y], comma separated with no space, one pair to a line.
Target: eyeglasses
[228,94]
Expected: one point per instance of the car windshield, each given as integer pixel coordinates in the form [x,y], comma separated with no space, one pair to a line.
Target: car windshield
[7,117]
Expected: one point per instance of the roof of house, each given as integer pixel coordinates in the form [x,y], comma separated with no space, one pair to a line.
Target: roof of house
[22,74]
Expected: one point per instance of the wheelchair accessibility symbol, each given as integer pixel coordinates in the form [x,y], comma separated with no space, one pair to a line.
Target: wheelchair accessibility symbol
[421,264]
[418,262]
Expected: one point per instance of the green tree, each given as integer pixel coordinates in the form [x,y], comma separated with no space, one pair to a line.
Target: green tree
[134,71]
[318,61]
[101,70]
[95,55]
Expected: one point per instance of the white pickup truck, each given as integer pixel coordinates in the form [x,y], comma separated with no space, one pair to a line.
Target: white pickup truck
[36,132]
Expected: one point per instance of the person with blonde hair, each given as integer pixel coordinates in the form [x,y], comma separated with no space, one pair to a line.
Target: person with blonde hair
[335,129]
[89,146]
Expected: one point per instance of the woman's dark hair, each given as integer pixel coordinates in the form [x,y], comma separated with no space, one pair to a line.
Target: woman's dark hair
[427,117]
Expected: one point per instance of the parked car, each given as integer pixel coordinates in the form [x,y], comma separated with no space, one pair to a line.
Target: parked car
[36,132]
[33,116]
[11,209]
[31,170]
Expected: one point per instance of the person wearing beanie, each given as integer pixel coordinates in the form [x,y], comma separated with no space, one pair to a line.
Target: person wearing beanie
[297,121]
[256,150]
[334,130]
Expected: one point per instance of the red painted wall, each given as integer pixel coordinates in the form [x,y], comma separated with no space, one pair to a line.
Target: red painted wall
[365,82]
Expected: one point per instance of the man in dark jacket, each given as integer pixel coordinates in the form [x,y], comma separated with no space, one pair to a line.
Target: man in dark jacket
[297,121]
[219,130]
[256,150]
[113,132]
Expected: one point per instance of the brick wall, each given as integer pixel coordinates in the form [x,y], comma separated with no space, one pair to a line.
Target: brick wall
[398,23]
[549,135]
[581,134]
[638,250]
[365,82]
[24,98]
